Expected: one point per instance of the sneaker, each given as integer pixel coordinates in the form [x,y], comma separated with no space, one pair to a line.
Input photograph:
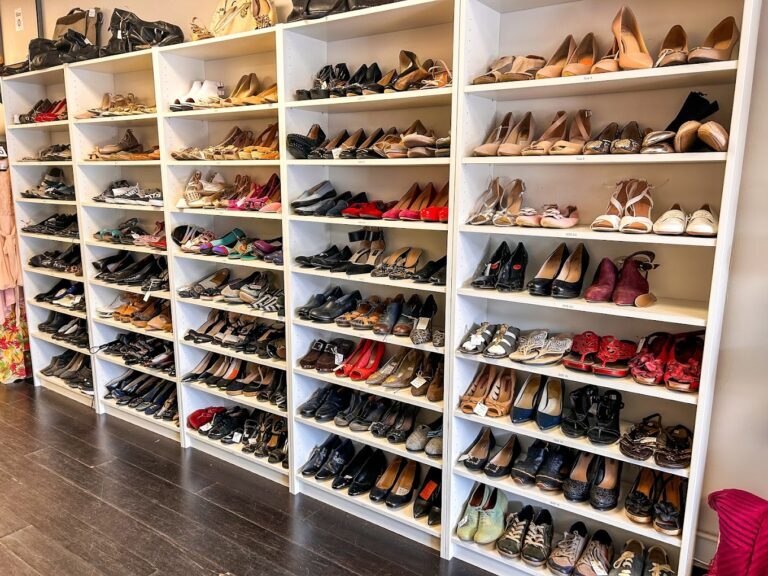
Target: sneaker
[511,542]
[538,541]
[657,563]
[490,525]
[564,556]
[597,556]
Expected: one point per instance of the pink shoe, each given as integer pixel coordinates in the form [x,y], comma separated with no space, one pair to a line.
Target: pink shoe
[555,218]
[273,207]
[531,218]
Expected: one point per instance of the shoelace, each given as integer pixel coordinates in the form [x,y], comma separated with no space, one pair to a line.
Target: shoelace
[535,536]
[595,560]
[660,570]
[624,563]
[518,528]
[569,546]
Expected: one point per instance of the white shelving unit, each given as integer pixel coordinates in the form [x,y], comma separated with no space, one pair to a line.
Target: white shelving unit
[468,35]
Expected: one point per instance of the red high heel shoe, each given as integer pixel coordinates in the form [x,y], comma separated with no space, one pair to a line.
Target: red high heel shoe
[683,371]
[58,111]
[425,199]
[403,204]
[647,367]
[438,210]
[359,352]
[613,357]
[369,363]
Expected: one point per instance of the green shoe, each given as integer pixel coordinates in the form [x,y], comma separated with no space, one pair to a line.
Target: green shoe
[469,521]
[490,526]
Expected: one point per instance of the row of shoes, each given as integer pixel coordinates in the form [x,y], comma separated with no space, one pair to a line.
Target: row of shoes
[150,314]
[370,259]
[366,471]
[117,105]
[628,52]
[150,272]
[419,372]
[53,186]
[259,433]
[138,349]
[204,94]
[412,318]
[235,245]
[44,111]
[335,81]
[73,368]
[68,261]
[150,395]
[255,291]
[128,148]
[527,534]
[258,15]
[65,328]
[427,204]
[61,225]
[53,153]
[562,138]
[629,212]
[240,333]
[131,233]
[562,275]
[238,144]
[212,191]
[581,477]
[415,142]
[123,192]
[237,377]
[383,418]
[65,293]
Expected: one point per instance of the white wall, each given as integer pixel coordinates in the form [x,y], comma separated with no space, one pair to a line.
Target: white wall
[738,450]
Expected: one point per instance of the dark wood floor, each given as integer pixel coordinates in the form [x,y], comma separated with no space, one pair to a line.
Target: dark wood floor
[84,495]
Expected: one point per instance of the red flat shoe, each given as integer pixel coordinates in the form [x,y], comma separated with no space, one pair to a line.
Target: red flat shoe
[583,350]
[369,363]
[683,371]
[432,212]
[647,367]
[353,210]
[374,210]
[357,354]
[442,215]
[613,357]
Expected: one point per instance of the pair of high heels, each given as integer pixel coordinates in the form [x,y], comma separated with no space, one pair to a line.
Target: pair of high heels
[213,192]
[509,138]
[237,145]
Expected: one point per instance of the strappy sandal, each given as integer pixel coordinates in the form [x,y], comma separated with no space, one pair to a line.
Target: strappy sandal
[504,342]
[637,211]
[553,134]
[478,338]
[612,358]
[683,371]
[485,209]
[582,356]
[606,430]
[496,70]
[408,267]
[509,204]
[552,351]
[647,366]
[528,345]
[579,132]
[373,317]
[674,447]
[441,76]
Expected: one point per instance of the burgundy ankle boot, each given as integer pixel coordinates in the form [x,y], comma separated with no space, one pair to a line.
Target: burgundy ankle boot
[632,283]
[604,282]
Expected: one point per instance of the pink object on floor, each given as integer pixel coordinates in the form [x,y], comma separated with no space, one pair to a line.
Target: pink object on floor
[743,547]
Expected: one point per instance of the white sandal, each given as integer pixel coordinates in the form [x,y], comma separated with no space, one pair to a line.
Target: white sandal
[672,222]
[637,215]
[609,222]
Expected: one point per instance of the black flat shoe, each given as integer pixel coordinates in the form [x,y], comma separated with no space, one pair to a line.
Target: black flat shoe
[319,455]
[336,400]
[308,408]
[300,146]
[352,469]
[501,464]
[337,461]
[476,456]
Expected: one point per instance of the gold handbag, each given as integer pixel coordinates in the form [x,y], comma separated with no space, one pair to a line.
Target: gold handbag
[234,16]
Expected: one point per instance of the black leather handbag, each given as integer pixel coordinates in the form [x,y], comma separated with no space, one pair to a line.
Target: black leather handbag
[71,47]
[131,33]
[361,4]
[313,9]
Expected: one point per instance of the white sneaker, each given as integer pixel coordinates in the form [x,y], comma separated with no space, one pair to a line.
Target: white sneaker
[703,222]
[672,222]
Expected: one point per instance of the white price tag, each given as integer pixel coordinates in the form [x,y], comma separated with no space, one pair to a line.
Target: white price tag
[147,296]
[237,437]
[18,20]
[336,153]
[418,382]
[205,427]
[338,359]
[481,410]
[92,13]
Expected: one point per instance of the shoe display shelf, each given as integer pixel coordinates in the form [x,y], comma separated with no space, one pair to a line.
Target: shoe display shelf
[376,35]
[469,34]
[690,282]
[225,60]
[20,94]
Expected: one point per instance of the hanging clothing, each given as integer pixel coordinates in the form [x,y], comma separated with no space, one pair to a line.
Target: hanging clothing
[743,546]
[15,363]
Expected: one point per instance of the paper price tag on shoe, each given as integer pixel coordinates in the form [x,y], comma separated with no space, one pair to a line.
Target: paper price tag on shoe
[206,427]
[237,437]
[418,382]
[481,410]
